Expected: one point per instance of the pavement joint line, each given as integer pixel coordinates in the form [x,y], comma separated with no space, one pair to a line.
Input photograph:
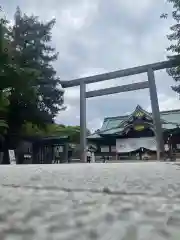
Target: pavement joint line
[105,191]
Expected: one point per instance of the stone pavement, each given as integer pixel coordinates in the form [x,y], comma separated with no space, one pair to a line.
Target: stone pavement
[128,201]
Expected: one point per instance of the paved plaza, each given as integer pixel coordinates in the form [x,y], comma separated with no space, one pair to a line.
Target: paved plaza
[128,201]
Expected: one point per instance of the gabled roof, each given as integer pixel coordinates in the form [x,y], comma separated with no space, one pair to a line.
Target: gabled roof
[139,111]
[114,122]
[113,125]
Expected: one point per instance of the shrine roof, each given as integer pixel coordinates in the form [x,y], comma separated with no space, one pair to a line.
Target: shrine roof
[112,125]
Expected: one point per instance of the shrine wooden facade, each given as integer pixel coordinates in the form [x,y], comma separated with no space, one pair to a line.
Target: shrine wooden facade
[137,125]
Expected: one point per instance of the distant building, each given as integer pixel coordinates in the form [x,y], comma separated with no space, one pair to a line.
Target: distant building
[126,136]
[43,150]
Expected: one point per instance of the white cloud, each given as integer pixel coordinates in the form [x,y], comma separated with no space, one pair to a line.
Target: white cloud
[167,103]
[65,117]
[95,124]
[79,15]
[136,9]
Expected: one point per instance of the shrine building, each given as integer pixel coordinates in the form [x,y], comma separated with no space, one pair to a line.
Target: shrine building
[123,136]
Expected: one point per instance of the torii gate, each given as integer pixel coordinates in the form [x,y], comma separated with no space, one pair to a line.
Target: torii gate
[149,69]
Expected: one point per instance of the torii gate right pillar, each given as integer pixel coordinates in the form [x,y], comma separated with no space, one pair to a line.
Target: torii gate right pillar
[156,114]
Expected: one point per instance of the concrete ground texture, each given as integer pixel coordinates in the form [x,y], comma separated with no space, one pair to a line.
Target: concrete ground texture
[128,201]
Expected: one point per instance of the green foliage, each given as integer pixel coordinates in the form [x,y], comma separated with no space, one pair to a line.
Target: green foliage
[55,130]
[27,74]
[4,102]
[174,38]
[36,100]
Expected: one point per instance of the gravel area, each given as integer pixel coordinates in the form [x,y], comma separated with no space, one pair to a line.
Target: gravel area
[128,201]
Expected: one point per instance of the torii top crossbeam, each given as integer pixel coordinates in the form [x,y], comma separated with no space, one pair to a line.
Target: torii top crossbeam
[120,73]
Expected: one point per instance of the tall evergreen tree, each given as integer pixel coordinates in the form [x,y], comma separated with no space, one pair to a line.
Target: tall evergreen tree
[174,38]
[29,88]
[36,98]
[4,83]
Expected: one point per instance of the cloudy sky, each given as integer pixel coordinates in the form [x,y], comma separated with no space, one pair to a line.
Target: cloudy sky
[96,36]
